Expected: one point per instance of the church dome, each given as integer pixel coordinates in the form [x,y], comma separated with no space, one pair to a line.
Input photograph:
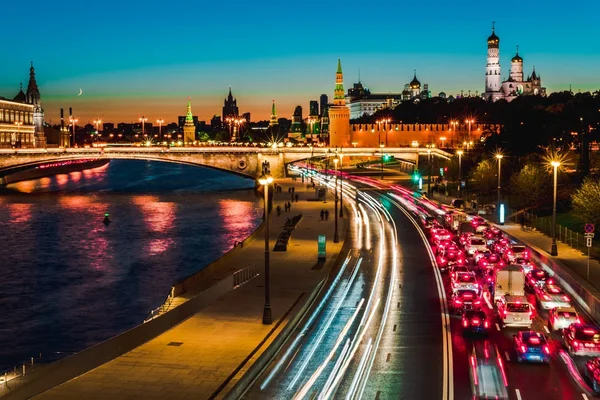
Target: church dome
[415,84]
[493,40]
[517,58]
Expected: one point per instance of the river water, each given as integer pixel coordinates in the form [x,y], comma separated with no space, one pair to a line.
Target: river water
[68,281]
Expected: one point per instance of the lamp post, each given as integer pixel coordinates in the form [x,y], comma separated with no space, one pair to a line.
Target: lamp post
[73,121]
[554,248]
[428,172]
[469,121]
[266,180]
[143,121]
[341,185]
[381,145]
[97,122]
[499,158]
[386,121]
[460,153]
[160,122]
[336,238]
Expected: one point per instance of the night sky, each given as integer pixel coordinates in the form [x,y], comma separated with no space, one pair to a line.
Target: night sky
[134,58]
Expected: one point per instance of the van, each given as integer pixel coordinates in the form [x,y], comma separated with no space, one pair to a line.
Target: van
[515,311]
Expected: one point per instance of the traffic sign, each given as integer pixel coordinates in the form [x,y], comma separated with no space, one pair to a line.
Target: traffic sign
[588,235]
[589,228]
[588,241]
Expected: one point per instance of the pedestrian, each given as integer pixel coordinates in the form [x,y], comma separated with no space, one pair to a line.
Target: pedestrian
[296,198]
[322,214]
[278,210]
[326,215]
[293,190]
[289,190]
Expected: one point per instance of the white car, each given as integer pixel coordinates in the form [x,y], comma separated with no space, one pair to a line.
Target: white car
[476,243]
[516,252]
[465,281]
[563,317]
[551,296]
[515,311]
[479,254]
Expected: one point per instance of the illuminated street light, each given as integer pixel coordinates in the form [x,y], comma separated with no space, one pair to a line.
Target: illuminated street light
[160,122]
[381,145]
[336,237]
[265,181]
[143,120]
[459,153]
[499,157]
[429,146]
[341,155]
[554,248]
[97,122]
[469,121]
[73,121]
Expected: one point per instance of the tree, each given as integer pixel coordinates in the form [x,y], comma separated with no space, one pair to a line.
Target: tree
[529,186]
[203,137]
[222,136]
[484,176]
[586,201]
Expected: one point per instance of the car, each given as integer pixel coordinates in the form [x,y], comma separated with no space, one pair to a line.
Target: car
[500,246]
[492,233]
[526,265]
[429,222]
[456,269]
[449,254]
[465,300]
[458,203]
[536,279]
[550,296]
[481,254]
[490,262]
[475,321]
[515,311]
[465,281]
[441,235]
[592,373]
[531,346]
[482,227]
[562,317]
[582,340]
[515,252]
[475,243]
[464,238]
[477,220]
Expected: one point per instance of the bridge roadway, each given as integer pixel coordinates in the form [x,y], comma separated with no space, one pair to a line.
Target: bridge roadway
[237,159]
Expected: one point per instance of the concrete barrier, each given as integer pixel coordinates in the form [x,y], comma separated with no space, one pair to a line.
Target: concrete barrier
[583,293]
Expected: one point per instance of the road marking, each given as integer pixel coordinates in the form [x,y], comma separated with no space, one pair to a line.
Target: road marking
[497,326]
[518,393]
[584,396]
[507,356]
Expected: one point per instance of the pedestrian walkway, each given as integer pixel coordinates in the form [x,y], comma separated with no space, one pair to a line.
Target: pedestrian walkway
[198,358]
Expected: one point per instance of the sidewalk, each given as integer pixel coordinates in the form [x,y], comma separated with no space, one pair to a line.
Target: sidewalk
[195,358]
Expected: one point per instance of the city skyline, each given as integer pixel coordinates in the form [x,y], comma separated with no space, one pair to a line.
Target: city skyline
[169,64]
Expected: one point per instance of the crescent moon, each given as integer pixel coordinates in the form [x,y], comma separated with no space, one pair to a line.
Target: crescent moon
[80,92]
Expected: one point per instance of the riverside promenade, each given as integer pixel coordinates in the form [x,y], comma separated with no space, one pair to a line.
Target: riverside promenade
[204,356]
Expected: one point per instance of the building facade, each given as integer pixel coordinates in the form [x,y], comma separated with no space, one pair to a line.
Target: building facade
[22,118]
[339,113]
[516,85]
[189,127]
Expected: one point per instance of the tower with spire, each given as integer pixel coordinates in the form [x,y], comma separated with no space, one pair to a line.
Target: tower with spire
[516,67]
[493,77]
[189,129]
[273,121]
[415,86]
[230,108]
[339,113]
[33,97]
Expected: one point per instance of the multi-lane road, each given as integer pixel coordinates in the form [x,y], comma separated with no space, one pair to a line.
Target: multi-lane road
[380,329]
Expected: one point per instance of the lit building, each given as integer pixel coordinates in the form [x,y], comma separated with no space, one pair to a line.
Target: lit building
[362,102]
[189,127]
[339,114]
[230,108]
[22,118]
[515,85]
[273,121]
[296,128]
[323,103]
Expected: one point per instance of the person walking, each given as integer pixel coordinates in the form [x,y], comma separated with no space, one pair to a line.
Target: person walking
[278,210]
[296,197]
[322,214]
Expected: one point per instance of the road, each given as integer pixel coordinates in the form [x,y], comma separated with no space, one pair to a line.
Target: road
[376,322]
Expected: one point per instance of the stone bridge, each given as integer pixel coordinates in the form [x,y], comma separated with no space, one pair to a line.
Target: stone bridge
[245,161]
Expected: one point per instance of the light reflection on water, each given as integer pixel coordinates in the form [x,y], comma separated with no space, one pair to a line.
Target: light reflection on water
[69,281]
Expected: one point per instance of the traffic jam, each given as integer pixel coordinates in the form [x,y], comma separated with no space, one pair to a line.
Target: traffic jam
[507,313]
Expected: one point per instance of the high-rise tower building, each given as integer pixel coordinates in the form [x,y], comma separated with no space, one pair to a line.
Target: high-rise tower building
[323,103]
[339,113]
[230,108]
[33,97]
[493,77]
[189,129]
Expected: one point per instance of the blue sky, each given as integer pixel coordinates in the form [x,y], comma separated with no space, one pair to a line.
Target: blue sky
[134,58]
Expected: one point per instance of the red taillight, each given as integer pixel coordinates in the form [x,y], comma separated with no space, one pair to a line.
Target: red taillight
[489,279]
[589,331]
[465,323]
[523,348]
[546,349]
[546,297]
[457,301]
[504,312]
[575,343]
[477,302]
[578,320]
[475,321]
[566,298]
[486,324]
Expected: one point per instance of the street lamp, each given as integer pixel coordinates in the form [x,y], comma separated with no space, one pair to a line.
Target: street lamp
[73,121]
[499,157]
[336,238]
[554,248]
[469,121]
[429,171]
[143,120]
[381,145]
[160,122]
[341,155]
[460,153]
[266,180]
[97,122]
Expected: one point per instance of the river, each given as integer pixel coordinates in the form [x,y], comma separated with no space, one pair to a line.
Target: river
[69,281]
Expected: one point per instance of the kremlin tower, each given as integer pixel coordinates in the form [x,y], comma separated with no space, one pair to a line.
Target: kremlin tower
[273,121]
[189,129]
[493,78]
[339,113]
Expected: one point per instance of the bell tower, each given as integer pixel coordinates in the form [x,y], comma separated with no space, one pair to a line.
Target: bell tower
[493,77]
[339,113]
